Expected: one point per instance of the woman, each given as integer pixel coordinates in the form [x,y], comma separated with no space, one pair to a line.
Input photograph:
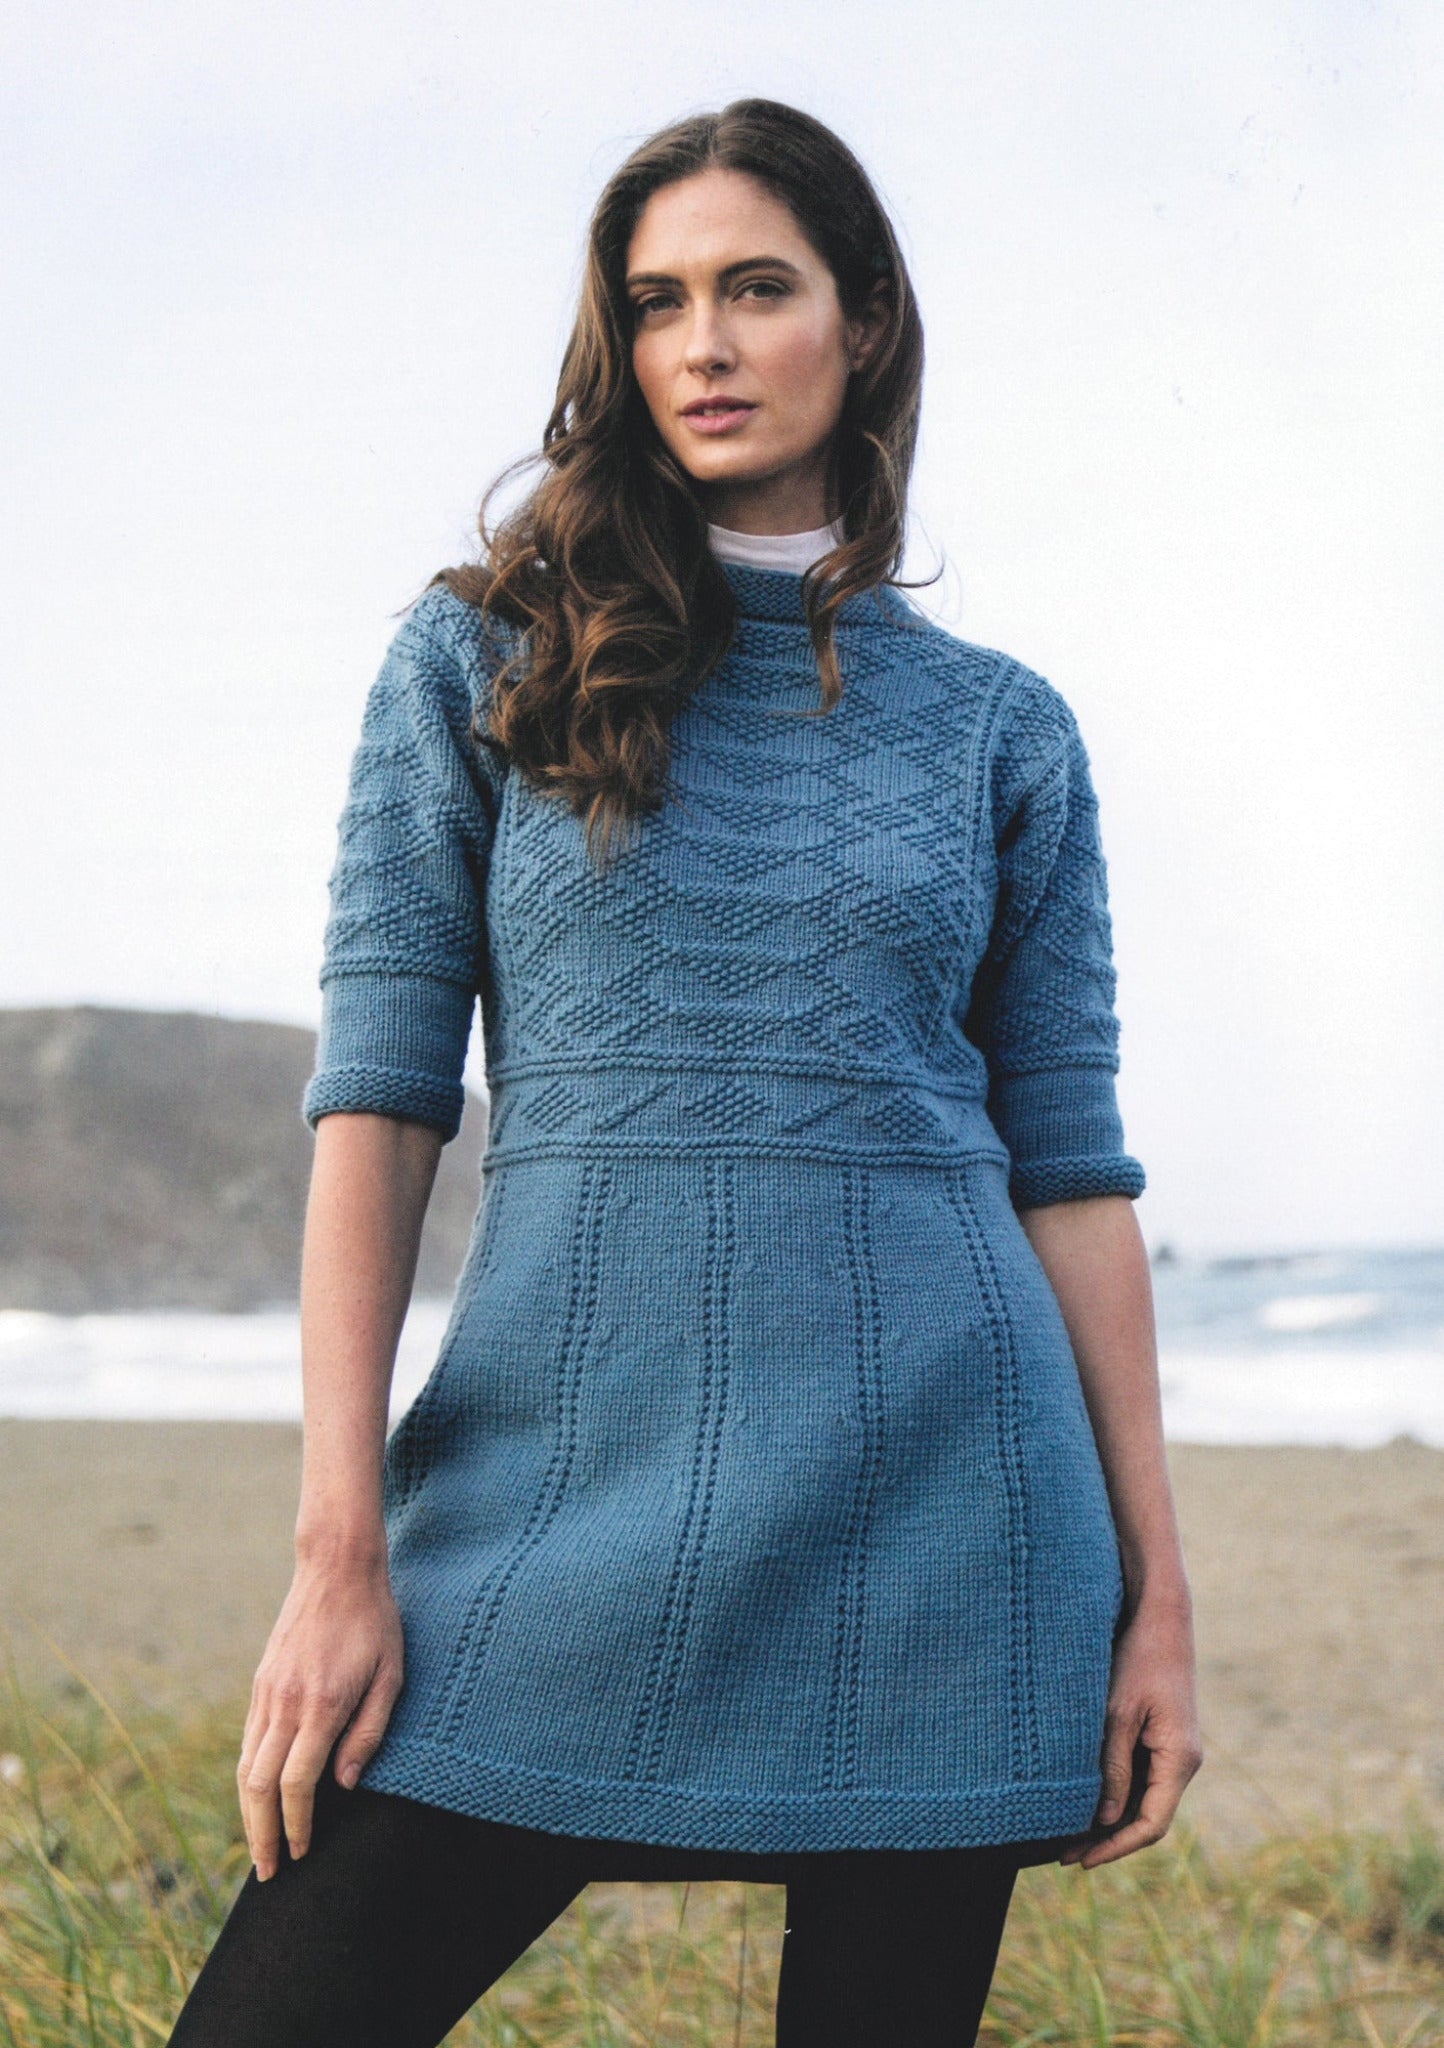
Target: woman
[788,1500]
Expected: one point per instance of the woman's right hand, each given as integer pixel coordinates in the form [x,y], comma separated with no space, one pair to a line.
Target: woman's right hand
[332,1667]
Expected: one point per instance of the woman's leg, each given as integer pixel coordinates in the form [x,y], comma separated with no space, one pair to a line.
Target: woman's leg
[891,1948]
[395,1921]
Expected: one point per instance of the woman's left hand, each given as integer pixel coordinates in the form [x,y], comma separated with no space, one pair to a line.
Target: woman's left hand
[1151,1742]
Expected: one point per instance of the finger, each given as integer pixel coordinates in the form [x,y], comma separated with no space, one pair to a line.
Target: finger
[1139,1834]
[1168,1781]
[302,1767]
[363,1738]
[1167,1778]
[252,1731]
[1120,1740]
[262,1793]
[254,1777]
[251,1740]
[243,1772]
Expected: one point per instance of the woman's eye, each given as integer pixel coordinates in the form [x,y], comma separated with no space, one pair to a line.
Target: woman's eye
[766,287]
[643,307]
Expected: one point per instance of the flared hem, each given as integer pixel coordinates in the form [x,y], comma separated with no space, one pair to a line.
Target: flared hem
[685,1818]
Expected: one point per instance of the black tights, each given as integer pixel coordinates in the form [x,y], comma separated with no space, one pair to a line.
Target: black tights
[401,1915]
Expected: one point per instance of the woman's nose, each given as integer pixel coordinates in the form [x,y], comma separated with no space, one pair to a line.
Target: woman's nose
[710,350]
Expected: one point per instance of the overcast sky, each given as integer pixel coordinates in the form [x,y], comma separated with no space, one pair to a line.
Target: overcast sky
[285,286]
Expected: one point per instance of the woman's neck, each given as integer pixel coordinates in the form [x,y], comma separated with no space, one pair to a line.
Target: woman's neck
[797,499]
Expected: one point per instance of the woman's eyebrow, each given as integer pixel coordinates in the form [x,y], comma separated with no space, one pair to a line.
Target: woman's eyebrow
[726,274]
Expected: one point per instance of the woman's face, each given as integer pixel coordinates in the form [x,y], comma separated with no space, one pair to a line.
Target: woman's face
[741,348]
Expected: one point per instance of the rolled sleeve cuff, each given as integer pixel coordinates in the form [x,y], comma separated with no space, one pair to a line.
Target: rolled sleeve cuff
[393,1045]
[414,1098]
[1042,1181]
[1064,1136]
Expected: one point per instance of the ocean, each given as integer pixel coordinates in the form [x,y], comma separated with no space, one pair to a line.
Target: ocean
[1326,1347]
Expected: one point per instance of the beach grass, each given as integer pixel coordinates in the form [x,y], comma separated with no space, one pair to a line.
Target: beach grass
[121,1848]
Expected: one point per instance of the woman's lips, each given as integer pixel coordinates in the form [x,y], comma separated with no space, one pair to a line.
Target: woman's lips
[718,415]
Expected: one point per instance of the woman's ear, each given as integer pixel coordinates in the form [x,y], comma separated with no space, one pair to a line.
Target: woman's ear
[865,332]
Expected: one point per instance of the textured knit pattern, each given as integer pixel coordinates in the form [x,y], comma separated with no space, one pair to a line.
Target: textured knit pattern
[752,1502]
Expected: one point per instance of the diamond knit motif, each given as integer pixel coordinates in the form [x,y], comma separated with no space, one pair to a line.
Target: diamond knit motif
[726,1110]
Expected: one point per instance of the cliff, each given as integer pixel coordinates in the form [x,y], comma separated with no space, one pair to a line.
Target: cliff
[159,1160]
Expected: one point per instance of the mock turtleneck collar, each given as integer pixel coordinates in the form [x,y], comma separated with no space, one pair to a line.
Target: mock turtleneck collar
[776,596]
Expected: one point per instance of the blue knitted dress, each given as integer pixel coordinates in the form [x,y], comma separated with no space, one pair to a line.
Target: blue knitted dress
[751,1504]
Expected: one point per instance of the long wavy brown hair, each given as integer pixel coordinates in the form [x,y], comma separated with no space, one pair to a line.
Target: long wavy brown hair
[604,567]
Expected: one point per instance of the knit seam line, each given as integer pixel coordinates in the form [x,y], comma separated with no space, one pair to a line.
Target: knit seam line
[435,639]
[841,1736]
[1102,1063]
[659,1696]
[984,741]
[413,1444]
[388,967]
[484,1611]
[1024,1732]
[956,1088]
[650,1147]
[1057,756]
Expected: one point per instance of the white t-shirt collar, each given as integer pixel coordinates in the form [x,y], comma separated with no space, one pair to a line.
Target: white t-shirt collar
[792,552]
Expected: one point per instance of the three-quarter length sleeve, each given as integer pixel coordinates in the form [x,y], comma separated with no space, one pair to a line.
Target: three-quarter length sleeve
[1042,1004]
[404,942]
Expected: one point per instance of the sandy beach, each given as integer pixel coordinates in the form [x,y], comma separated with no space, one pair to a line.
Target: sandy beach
[157,1554]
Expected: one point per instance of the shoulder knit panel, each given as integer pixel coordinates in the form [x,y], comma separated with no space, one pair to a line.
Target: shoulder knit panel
[404,941]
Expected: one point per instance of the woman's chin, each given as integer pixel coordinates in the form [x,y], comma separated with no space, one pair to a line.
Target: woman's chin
[725,467]
[733,469]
